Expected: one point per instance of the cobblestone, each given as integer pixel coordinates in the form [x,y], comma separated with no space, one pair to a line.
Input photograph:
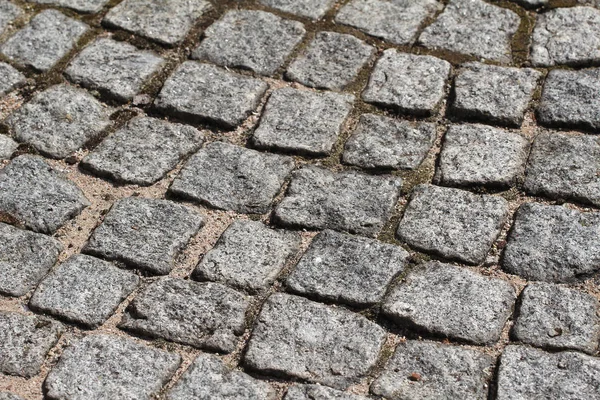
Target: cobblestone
[313,9]
[83,6]
[309,392]
[7,147]
[11,78]
[8,13]
[9,396]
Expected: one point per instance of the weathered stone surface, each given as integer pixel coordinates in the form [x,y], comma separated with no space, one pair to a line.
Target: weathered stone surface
[204,92]
[209,379]
[38,196]
[234,178]
[8,13]
[410,83]
[313,9]
[10,78]
[49,37]
[553,243]
[532,3]
[494,94]
[383,142]
[250,39]
[331,61]
[310,392]
[302,121]
[60,120]
[452,223]
[349,201]
[206,315]
[453,302]
[481,155]
[24,342]
[527,373]
[397,21]
[298,338]
[165,21]
[445,372]
[110,367]
[7,147]
[84,6]
[249,255]
[144,233]
[143,151]
[116,69]
[347,269]
[9,396]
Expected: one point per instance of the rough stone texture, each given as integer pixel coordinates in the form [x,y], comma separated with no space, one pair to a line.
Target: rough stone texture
[532,3]
[116,69]
[383,142]
[343,268]
[453,302]
[209,379]
[8,13]
[490,93]
[249,255]
[446,372]
[311,392]
[234,178]
[38,196]
[165,21]
[410,83]
[84,290]
[143,151]
[553,244]
[331,61]
[84,6]
[475,28]
[144,233]
[206,315]
[24,342]
[49,37]
[397,21]
[302,121]
[7,147]
[482,155]
[313,9]
[559,318]
[9,396]
[60,120]
[452,223]
[110,367]
[10,78]
[298,338]
[528,373]
[349,201]
[204,92]
[250,39]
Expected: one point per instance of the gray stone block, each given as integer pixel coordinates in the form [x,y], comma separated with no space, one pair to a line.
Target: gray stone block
[9,396]
[311,392]
[10,78]
[7,147]
[250,39]
[144,233]
[83,6]
[348,201]
[302,121]
[347,269]
[452,302]
[411,84]
[313,9]
[8,13]
[38,196]
[452,223]
[234,178]
[301,339]
[110,367]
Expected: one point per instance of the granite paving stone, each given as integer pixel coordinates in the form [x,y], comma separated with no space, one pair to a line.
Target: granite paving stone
[25,341]
[453,302]
[47,38]
[298,338]
[198,91]
[205,315]
[83,6]
[144,233]
[388,143]
[452,223]
[110,367]
[38,196]
[408,83]
[116,69]
[347,269]
[249,255]
[348,201]
[230,177]
[143,151]
[444,372]
[9,396]
[553,244]
[7,147]
[313,9]
[250,39]
[10,78]
[311,392]
[302,121]
[8,13]
[60,120]
[475,28]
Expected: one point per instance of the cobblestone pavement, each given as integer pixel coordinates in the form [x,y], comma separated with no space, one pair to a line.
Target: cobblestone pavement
[299,199]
